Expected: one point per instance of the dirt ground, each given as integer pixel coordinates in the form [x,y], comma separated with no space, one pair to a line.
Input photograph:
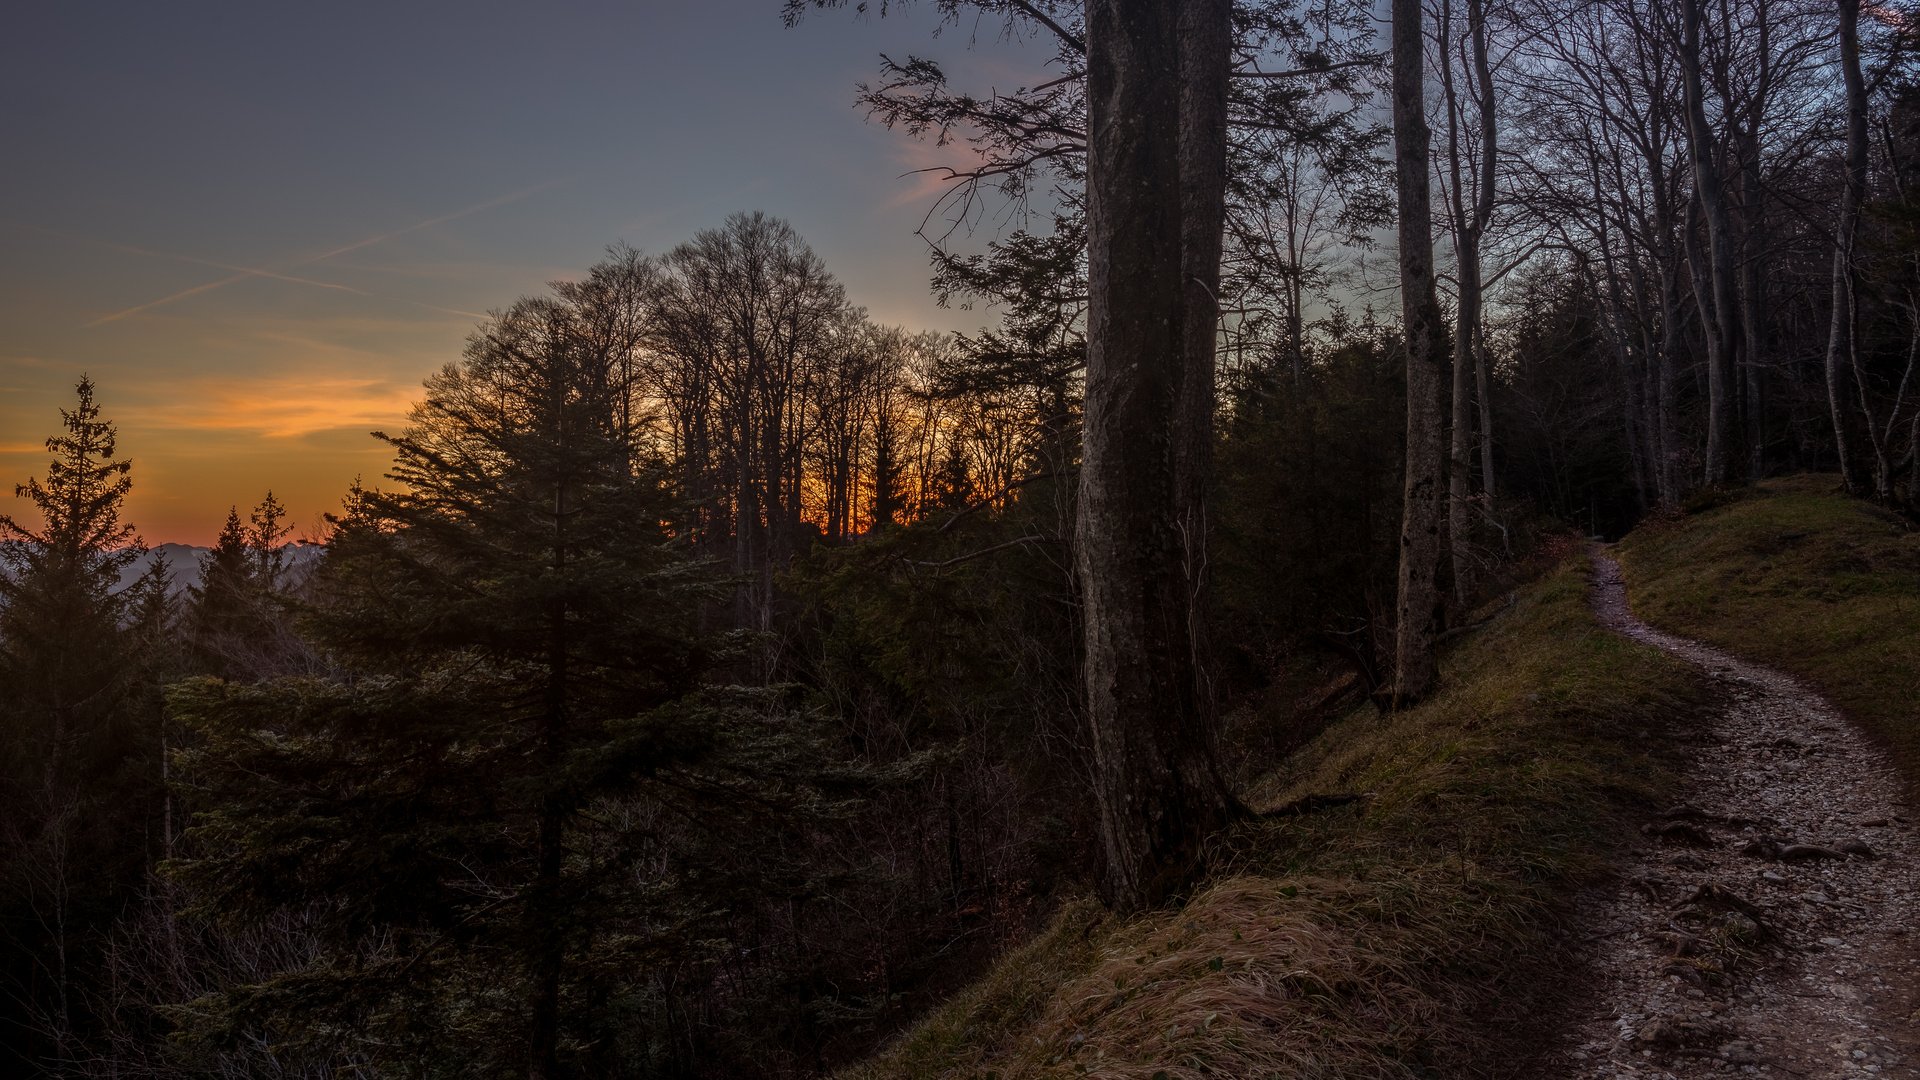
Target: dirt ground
[1762,924]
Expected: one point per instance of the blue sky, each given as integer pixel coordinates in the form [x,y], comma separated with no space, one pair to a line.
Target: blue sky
[258,226]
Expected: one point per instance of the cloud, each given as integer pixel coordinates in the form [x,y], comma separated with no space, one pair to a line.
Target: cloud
[281,407]
[929,168]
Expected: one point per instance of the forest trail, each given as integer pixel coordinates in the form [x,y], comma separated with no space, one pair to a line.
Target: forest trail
[1721,949]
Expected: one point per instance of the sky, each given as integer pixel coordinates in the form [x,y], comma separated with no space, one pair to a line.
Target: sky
[257,227]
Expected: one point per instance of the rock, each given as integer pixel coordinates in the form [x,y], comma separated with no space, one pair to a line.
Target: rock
[1677,830]
[1677,942]
[1798,852]
[1768,875]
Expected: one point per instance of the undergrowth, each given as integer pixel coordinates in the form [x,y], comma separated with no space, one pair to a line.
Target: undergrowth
[1408,934]
[1798,576]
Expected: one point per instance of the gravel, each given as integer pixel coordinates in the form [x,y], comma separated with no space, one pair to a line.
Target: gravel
[1779,946]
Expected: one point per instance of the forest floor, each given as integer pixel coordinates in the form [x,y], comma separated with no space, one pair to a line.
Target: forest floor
[1762,925]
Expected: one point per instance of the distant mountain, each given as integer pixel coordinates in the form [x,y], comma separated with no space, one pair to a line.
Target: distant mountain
[183,563]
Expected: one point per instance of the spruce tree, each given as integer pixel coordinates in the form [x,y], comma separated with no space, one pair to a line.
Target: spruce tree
[241,614]
[78,763]
[222,601]
[521,801]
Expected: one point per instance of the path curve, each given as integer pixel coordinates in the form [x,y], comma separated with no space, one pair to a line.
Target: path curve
[1708,953]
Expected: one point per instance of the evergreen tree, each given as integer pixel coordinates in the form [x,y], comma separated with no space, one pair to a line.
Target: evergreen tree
[223,600]
[266,540]
[523,804]
[77,765]
[241,620]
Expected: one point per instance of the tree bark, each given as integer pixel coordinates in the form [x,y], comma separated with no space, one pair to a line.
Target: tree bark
[1156,779]
[1206,43]
[1415,669]
[1840,337]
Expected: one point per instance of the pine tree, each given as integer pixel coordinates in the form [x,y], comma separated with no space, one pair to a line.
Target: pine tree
[523,801]
[77,766]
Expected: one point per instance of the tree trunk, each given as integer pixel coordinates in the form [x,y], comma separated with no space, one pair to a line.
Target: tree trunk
[1752,302]
[1415,669]
[1206,43]
[1716,307]
[1158,785]
[542,912]
[1845,306]
[1471,227]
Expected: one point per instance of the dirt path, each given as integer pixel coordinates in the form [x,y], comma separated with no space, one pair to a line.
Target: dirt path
[1720,948]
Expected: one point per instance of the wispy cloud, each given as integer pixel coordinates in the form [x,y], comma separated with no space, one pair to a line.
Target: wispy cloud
[283,407]
[930,169]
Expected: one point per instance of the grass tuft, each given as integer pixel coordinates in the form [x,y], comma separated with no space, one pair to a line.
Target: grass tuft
[1410,934]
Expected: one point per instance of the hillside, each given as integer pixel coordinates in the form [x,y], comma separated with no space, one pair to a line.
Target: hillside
[1406,934]
[183,563]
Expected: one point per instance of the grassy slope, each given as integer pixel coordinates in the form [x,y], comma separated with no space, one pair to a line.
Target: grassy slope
[1801,578]
[1357,941]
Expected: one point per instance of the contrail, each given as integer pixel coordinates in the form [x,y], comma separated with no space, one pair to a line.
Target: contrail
[246,272]
[168,299]
[488,205]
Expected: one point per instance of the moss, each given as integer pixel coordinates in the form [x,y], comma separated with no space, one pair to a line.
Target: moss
[1800,577]
[1393,937]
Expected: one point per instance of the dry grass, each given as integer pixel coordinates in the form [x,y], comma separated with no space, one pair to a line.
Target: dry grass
[1800,577]
[1408,935]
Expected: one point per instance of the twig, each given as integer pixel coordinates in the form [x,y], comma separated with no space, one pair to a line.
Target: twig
[1297,72]
[977,554]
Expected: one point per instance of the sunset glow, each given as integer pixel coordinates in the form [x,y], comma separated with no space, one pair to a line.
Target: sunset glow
[301,240]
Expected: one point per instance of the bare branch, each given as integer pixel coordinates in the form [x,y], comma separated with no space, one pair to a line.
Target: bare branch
[981,552]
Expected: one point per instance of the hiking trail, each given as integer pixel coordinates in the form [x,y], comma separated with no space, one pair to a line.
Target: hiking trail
[1760,925]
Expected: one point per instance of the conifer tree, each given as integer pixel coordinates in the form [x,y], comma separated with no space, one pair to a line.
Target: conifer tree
[523,801]
[240,618]
[221,601]
[77,761]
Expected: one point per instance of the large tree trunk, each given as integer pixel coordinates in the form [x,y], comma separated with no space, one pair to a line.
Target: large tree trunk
[1840,337]
[1415,670]
[1158,786]
[1716,306]
[1206,43]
